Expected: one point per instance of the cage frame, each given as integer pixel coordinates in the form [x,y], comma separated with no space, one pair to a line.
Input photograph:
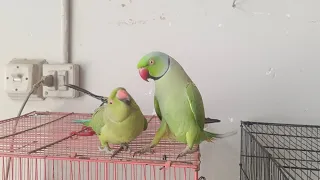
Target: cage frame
[269,157]
[30,154]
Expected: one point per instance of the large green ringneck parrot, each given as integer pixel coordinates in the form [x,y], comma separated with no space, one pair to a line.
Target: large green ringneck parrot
[177,102]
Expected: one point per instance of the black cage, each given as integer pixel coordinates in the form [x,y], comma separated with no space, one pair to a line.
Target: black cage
[271,151]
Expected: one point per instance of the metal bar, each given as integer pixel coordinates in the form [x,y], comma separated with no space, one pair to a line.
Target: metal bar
[281,169]
[249,123]
[285,135]
[14,118]
[289,159]
[292,167]
[291,149]
[55,142]
[13,134]
[120,161]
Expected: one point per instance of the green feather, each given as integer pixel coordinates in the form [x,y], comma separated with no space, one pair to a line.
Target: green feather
[85,122]
[157,108]
[196,104]
[96,121]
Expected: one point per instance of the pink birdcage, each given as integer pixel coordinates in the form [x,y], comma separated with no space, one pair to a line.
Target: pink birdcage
[49,146]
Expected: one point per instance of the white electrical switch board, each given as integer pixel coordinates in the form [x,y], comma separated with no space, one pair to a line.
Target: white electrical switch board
[63,74]
[21,75]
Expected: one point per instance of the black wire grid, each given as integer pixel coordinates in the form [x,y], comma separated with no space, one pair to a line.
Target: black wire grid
[271,151]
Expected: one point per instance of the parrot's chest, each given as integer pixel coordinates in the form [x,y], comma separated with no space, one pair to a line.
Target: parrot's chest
[175,110]
[123,132]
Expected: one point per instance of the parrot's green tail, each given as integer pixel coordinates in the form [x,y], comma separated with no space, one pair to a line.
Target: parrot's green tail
[208,136]
[82,121]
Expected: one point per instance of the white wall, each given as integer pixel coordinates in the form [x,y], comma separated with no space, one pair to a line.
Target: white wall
[226,51]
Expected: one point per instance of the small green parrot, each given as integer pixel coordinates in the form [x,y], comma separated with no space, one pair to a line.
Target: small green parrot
[118,120]
[123,121]
[177,102]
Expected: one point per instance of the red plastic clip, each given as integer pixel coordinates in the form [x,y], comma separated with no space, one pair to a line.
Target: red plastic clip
[86,131]
[89,133]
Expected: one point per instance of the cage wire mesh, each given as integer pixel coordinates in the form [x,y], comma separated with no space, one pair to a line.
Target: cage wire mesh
[271,151]
[49,146]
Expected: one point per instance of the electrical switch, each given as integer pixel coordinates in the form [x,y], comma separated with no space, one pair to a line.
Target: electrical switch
[63,74]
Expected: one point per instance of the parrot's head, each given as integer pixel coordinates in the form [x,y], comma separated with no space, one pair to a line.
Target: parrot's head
[154,65]
[119,104]
[119,96]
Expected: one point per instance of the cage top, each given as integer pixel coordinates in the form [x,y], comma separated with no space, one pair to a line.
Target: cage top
[248,123]
[52,135]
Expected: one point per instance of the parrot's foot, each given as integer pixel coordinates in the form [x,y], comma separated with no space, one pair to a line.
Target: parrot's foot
[127,148]
[115,152]
[144,150]
[123,146]
[187,151]
[102,149]
[105,149]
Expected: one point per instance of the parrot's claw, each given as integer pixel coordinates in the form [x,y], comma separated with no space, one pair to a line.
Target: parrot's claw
[115,152]
[106,150]
[186,151]
[102,149]
[127,148]
[123,146]
[144,150]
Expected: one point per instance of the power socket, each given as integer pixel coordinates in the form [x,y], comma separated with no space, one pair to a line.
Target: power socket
[62,74]
[21,75]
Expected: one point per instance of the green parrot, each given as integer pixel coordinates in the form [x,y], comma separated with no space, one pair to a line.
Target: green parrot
[123,121]
[118,120]
[177,102]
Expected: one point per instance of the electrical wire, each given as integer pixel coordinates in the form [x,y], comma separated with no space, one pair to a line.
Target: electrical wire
[34,87]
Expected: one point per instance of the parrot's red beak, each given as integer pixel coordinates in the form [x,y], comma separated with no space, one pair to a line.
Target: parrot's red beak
[122,95]
[144,73]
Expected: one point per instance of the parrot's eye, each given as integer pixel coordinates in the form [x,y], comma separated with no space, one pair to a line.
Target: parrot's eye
[151,61]
[110,102]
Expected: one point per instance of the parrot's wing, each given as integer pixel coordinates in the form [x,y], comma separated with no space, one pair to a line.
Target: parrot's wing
[145,127]
[135,106]
[97,120]
[157,108]
[196,104]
